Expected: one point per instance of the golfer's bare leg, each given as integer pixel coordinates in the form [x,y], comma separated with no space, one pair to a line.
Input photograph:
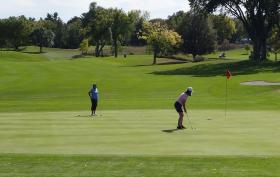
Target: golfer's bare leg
[180,121]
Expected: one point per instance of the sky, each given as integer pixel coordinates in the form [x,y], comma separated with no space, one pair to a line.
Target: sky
[70,8]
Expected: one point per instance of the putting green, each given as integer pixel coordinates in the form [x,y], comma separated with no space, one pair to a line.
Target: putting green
[141,132]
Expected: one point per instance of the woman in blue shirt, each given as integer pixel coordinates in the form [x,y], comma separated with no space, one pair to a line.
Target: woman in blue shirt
[93,94]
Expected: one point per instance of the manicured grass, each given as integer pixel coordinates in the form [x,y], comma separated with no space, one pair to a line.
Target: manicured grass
[140,143]
[133,83]
[127,166]
[45,130]
[141,132]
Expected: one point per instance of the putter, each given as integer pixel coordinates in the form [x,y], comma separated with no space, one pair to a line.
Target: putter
[189,121]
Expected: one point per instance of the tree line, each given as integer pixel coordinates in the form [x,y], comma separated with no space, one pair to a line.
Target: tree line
[196,32]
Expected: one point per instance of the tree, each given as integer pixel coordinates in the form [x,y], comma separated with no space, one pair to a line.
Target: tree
[274,41]
[97,23]
[198,35]
[224,26]
[160,39]
[137,18]
[74,33]
[55,24]
[174,21]
[43,38]
[84,46]
[240,31]
[257,16]
[121,26]
[16,31]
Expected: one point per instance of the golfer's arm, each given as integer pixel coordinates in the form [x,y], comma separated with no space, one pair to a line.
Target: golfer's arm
[89,94]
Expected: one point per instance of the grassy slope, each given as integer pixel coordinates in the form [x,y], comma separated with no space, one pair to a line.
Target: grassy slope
[132,83]
[62,84]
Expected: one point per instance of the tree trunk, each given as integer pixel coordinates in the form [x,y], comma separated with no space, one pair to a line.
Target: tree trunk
[101,49]
[116,48]
[97,54]
[41,49]
[155,58]
[194,56]
[259,49]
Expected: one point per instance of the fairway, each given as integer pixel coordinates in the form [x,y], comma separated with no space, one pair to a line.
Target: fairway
[46,130]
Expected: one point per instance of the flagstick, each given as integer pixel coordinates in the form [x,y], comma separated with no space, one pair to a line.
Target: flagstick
[226,100]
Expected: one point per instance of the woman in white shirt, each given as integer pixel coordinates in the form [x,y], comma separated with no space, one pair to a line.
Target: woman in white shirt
[181,103]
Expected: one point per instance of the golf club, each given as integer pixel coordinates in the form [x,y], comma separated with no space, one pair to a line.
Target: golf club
[189,121]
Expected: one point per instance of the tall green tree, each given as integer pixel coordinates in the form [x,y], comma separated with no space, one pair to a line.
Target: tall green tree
[198,35]
[55,24]
[74,33]
[121,26]
[161,39]
[42,37]
[174,21]
[16,31]
[97,23]
[224,26]
[137,19]
[257,16]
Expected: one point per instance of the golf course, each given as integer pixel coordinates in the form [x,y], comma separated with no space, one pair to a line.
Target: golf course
[46,129]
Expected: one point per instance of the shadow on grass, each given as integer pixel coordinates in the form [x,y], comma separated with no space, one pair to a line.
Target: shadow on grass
[34,52]
[171,130]
[219,69]
[82,116]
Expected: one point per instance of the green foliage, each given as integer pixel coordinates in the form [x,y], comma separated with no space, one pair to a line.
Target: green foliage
[162,40]
[274,41]
[84,46]
[97,23]
[74,33]
[121,27]
[55,24]
[198,35]
[138,19]
[240,31]
[258,18]
[174,21]
[43,37]
[224,26]
[15,31]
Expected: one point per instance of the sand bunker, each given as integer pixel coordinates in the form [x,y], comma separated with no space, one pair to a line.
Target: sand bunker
[260,83]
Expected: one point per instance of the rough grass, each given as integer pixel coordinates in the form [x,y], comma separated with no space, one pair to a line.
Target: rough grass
[125,166]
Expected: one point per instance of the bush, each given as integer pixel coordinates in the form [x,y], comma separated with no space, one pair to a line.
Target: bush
[199,59]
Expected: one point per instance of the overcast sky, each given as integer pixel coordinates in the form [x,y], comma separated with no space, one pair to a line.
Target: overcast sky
[70,8]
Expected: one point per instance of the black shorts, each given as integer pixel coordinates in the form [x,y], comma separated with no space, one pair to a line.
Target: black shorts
[178,107]
[94,104]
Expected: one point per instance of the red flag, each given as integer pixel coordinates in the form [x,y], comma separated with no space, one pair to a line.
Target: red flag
[228,74]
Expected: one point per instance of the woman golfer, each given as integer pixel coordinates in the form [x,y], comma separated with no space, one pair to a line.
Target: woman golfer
[93,94]
[181,103]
